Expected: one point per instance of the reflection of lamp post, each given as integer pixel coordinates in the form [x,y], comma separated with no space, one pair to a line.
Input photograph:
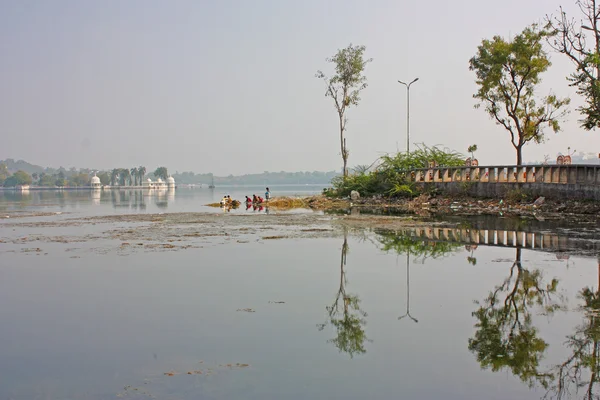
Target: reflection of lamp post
[408,290]
[408,112]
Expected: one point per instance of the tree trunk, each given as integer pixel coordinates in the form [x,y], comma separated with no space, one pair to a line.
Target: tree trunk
[343,146]
[519,155]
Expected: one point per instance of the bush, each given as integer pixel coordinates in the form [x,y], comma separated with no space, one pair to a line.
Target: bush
[391,177]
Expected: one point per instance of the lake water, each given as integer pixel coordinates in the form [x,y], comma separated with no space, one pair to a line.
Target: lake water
[134,201]
[355,314]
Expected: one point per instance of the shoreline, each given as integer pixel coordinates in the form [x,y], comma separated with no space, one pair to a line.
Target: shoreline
[426,205]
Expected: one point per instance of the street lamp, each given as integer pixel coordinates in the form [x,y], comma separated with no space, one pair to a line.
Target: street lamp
[408,112]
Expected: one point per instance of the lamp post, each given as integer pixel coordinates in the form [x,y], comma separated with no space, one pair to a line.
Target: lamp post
[408,112]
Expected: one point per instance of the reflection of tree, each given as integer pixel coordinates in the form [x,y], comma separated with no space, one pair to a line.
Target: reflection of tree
[582,368]
[505,336]
[345,314]
[404,242]
[471,260]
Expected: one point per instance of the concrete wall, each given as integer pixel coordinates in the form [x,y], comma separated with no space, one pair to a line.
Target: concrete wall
[552,181]
[557,191]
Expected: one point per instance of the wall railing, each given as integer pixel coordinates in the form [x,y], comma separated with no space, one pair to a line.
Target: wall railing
[555,174]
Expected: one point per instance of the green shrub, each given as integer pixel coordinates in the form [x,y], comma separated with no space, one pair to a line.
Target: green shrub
[391,177]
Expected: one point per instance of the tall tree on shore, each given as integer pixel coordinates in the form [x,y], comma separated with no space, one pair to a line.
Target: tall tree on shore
[125,177]
[580,42]
[161,172]
[141,174]
[114,176]
[508,73]
[344,87]
[134,176]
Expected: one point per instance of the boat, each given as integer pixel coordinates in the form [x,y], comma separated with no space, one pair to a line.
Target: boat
[212,183]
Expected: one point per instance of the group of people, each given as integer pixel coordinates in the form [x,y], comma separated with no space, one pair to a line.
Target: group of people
[226,201]
[257,199]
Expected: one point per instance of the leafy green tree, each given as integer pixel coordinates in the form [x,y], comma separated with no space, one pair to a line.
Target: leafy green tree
[47,180]
[161,172]
[79,179]
[141,174]
[579,41]
[125,177]
[505,335]
[344,87]
[104,178]
[4,174]
[11,181]
[472,149]
[134,176]
[508,73]
[114,176]
[345,315]
[22,177]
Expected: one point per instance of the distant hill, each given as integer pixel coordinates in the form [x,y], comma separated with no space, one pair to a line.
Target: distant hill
[14,166]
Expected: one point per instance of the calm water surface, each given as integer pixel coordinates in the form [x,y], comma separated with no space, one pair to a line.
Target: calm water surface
[361,314]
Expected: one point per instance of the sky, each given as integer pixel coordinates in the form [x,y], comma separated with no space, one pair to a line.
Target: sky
[229,86]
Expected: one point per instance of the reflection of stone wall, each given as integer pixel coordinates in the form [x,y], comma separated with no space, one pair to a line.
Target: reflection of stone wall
[505,238]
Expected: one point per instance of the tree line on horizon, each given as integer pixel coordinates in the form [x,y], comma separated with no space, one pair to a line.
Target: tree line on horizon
[73,177]
[13,173]
[508,73]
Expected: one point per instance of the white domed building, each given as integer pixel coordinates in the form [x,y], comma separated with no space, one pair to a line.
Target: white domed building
[160,184]
[96,182]
[170,182]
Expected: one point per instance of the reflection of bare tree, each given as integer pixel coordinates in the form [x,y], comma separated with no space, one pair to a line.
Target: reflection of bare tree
[581,371]
[345,314]
[505,336]
[471,247]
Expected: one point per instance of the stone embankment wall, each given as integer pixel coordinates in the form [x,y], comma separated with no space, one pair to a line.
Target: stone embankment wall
[559,182]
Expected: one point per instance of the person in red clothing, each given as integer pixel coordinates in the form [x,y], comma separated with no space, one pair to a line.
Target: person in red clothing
[260,199]
[248,200]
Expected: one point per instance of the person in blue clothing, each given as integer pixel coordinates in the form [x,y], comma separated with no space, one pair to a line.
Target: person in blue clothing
[267,194]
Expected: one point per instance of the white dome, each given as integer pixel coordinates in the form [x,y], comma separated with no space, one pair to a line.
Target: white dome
[170,180]
[159,180]
[95,180]
[149,180]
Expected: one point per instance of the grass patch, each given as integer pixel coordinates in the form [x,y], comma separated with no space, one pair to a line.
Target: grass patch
[286,202]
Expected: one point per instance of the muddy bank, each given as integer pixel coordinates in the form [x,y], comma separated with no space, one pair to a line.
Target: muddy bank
[426,205]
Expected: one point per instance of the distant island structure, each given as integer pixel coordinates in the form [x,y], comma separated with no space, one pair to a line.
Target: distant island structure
[159,184]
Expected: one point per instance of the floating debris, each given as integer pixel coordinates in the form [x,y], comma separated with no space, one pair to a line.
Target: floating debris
[277,302]
[245,310]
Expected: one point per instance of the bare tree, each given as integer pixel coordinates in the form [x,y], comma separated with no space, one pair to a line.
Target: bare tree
[344,87]
[580,42]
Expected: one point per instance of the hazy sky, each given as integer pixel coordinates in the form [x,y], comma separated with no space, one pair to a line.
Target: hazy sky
[228,86]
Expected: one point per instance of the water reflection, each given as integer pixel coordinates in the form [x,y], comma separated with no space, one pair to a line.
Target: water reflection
[580,372]
[345,314]
[505,335]
[407,313]
[131,199]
